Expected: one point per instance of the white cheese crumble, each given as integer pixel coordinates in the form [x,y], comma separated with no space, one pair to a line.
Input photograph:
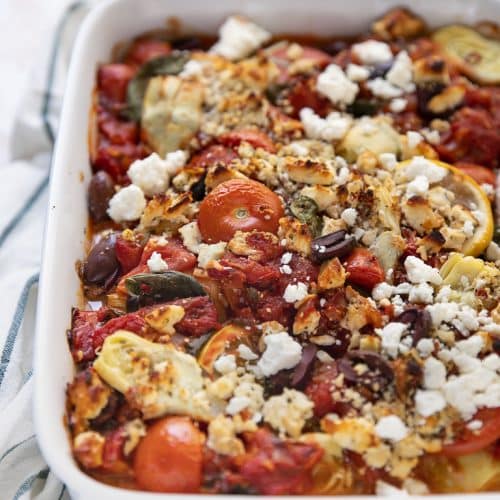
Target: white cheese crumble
[175,160]
[425,347]
[398,105]
[288,412]
[468,228]
[349,216]
[239,37]
[434,373]
[225,364]
[421,294]
[493,252]
[384,89]
[237,404]
[192,68]
[357,73]
[207,253]
[285,269]
[334,84]
[246,353]
[382,291]
[150,174]
[156,263]
[191,236]
[286,258]
[383,489]
[388,160]
[418,186]
[431,136]
[391,337]
[428,402]
[401,72]
[419,272]
[372,52]
[282,353]
[421,166]
[295,292]
[128,204]
[391,428]
[333,127]
[413,138]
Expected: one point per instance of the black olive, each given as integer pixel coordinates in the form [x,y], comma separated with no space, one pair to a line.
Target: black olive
[363,107]
[332,245]
[198,189]
[333,48]
[425,92]
[302,371]
[101,189]
[101,263]
[187,43]
[380,70]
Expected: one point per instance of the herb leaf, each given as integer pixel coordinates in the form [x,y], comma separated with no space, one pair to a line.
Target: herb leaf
[163,65]
[306,210]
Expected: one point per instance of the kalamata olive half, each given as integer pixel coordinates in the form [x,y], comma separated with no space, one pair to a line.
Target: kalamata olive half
[101,261]
[101,190]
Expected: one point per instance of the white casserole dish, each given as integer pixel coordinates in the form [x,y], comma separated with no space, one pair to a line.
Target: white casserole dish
[114,21]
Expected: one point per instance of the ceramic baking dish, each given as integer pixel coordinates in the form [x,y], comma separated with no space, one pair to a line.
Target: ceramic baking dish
[114,21]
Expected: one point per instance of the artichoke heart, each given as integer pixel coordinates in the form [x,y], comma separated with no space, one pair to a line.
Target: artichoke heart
[155,378]
[171,113]
[459,270]
[478,56]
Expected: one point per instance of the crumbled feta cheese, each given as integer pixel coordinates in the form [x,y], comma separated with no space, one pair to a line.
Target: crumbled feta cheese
[398,105]
[431,136]
[246,353]
[418,186]
[493,252]
[391,337]
[442,312]
[388,160]
[429,402]
[382,291]
[174,161]
[282,353]
[401,72]
[471,346]
[127,205]
[156,263]
[342,176]
[425,347]
[434,373]
[298,149]
[191,68]
[384,89]
[421,166]
[475,425]
[391,428]
[207,253]
[413,138]
[421,294]
[334,84]
[331,128]
[488,189]
[225,364]
[285,269]
[150,174]
[357,73]
[237,404]
[295,292]
[419,272]
[191,236]
[372,52]
[239,37]
[288,412]
[286,258]
[349,216]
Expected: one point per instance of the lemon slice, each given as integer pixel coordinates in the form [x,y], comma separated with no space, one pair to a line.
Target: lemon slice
[469,194]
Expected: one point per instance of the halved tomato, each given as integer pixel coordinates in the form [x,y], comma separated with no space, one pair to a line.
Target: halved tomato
[363,268]
[238,205]
[470,441]
[256,138]
[169,458]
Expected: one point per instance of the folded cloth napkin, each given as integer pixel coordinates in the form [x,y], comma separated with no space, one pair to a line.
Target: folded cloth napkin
[23,199]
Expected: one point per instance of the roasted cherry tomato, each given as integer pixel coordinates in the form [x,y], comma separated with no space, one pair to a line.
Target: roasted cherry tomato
[145,49]
[480,174]
[255,137]
[238,205]
[470,441]
[215,154]
[112,80]
[363,268]
[169,458]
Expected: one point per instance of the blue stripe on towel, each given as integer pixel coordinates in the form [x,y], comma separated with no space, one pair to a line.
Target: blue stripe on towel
[15,325]
[62,492]
[28,482]
[14,447]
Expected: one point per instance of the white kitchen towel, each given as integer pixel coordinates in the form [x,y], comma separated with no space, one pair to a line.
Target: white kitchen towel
[23,199]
